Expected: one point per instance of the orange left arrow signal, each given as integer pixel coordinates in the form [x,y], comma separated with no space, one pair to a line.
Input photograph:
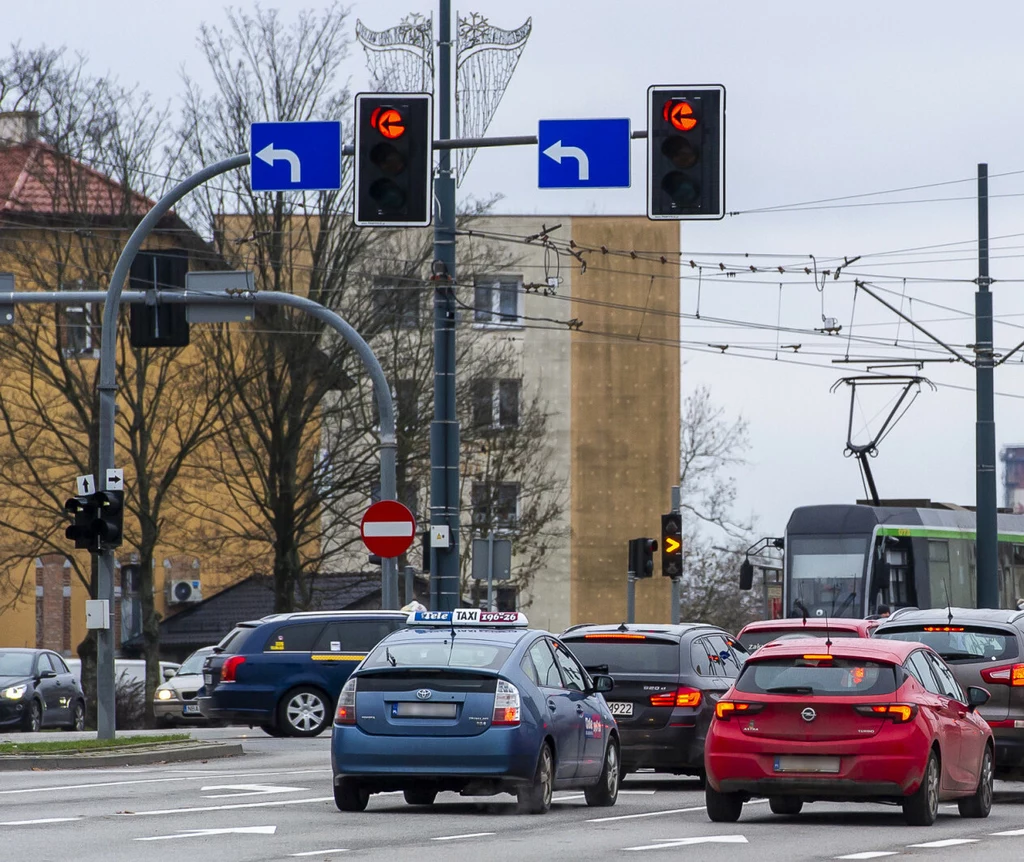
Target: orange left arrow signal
[671,545]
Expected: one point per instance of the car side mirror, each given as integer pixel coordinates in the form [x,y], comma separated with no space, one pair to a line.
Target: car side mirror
[977,696]
[603,683]
[47,674]
[169,673]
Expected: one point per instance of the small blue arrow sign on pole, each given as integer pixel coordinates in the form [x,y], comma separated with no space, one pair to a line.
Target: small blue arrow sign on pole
[580,154]
[302,157]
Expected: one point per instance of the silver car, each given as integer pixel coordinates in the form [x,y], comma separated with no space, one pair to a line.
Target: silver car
[174,702]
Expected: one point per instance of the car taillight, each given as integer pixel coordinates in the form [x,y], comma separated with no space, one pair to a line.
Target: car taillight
[346,711]
[506,705]
[680,697]
[227,672]
[897,713]
[726,709]
[1007,674]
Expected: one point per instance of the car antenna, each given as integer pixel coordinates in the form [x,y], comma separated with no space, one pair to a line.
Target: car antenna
[949,610]
[623,627]
[828,635]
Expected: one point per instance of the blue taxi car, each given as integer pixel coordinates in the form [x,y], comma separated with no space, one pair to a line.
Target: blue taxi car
[474,702]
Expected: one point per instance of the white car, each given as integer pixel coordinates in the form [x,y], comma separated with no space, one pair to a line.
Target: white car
[174,701]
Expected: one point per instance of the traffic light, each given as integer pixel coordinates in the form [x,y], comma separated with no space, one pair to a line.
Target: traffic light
[394,159]
[162,325]
[686,152]
[84,510]
[671,545]
[641,557]
[99,520]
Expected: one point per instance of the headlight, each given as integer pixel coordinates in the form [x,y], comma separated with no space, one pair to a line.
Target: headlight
[165,694]
[15,692]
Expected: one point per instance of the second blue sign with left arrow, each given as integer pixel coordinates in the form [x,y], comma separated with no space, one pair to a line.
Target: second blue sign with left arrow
[288,157]
[578,154]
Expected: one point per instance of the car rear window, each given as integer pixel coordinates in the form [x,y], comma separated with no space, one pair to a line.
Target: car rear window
[758,638]
[438,653]
[637,655]
[234,641]
[803,675]
[957,643]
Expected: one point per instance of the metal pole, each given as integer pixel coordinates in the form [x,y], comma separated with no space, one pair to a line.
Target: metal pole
[676,582]
[985,429]
[444,430]
[410,591]
[490,571]
[630,598]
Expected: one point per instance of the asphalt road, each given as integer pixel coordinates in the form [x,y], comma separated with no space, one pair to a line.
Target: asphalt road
[275,803]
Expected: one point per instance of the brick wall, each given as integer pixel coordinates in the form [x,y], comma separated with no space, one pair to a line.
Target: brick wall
[53,603]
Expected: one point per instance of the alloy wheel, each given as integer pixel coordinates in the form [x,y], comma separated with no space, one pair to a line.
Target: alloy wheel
[305,712]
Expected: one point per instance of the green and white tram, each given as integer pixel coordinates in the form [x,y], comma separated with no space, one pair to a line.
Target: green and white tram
[847,560]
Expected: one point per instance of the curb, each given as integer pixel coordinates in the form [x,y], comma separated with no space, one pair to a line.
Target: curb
[85,760]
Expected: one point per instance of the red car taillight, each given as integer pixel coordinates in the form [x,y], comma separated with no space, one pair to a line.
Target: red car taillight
[680,697]
[506,705]
[897,713]
[346,711]
[726,709]
[1007,674]
[230,667]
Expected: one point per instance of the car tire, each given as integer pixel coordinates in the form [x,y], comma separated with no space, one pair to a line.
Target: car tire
[303,712]
[350,795]
[922,807]
[980,803]
[535,798]
[785,805]
[272,730]
[77,717]
[606,791]
[722,807]
[420,796]
[33,720]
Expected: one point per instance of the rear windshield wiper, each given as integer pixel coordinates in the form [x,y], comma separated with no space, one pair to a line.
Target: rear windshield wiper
[790,689]
[954,656]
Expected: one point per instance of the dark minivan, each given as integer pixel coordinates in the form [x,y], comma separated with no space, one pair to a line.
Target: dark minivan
[667,681]
[284,672]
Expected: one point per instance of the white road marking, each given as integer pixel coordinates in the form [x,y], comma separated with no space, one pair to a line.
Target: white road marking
[659,813]
[946,842]
[226,807]
[43,820]
[568,798]
[249,790]
[637,792]
[669,843]
[869,854]
[468,835]
[320,852]
[203,833]
[205,775]
[1008,833]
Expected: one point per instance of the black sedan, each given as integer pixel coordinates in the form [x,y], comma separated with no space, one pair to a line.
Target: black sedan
[37,690]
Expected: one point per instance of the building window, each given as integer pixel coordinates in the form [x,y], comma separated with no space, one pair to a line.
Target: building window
[396,305]
[497,300]
[405,401]
[495,506]
[79,326]
[408,495]
[496,402]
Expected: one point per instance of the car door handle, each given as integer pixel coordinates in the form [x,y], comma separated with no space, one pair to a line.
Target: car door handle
[579,709]
[552,706]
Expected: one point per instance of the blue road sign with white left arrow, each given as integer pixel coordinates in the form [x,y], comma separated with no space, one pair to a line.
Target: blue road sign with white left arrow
[295,157]
[581,154]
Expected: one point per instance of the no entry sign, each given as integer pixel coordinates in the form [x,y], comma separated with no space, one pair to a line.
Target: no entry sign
[388,528]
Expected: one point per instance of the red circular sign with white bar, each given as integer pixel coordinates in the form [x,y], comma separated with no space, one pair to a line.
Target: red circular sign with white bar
[388,528]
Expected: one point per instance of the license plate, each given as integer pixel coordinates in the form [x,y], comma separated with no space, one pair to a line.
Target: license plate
[805,763]
[208,678]
[405,709]
[620,707]
[191,709]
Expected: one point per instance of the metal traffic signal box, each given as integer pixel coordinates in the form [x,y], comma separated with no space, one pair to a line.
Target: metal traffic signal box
[686,152]
[394,159]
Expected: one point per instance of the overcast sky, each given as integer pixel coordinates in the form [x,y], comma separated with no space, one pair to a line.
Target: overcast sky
[824,100]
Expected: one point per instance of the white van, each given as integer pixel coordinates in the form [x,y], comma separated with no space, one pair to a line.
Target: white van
[128,669]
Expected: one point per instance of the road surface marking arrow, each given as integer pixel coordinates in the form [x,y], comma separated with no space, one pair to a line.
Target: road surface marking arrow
[668,843]
[557,152]
[269,155]
[247,790]
[203,833]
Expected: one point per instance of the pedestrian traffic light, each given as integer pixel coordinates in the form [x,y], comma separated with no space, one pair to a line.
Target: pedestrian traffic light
[686,152]
[671,545]
[84,511]
[99,520]
[641,557]
[394,159]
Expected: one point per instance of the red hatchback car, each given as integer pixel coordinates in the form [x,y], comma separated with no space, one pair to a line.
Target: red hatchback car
[755,635]
[857,720]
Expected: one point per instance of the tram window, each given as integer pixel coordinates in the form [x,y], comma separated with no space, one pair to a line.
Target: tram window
[1018,555]
[938,571]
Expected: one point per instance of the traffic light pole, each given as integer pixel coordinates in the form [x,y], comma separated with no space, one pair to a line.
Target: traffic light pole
[444,430]
[676,582]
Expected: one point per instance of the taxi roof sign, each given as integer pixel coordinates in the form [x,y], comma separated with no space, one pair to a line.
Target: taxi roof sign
[468,617]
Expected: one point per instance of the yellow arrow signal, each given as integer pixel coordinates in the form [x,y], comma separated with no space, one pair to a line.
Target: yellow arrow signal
[671,545]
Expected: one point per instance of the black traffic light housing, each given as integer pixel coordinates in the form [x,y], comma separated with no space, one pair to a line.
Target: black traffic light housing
[84,511]
[686,152]
[672,545]
[160,325]
[746,574]
[99,520]
[394,159]
[641,557]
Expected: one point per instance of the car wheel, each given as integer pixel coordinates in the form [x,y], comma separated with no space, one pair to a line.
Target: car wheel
[535,798]
[303,712]
[921,807]
[980,803]
[606,791]
[77,717]
[722,807]
[420,796]
[33,720]
[350,795]
[788,805]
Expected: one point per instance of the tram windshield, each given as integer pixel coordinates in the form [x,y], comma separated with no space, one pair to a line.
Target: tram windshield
[826,575]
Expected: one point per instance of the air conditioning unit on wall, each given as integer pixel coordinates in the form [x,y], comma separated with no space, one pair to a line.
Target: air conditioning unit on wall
[184,592]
